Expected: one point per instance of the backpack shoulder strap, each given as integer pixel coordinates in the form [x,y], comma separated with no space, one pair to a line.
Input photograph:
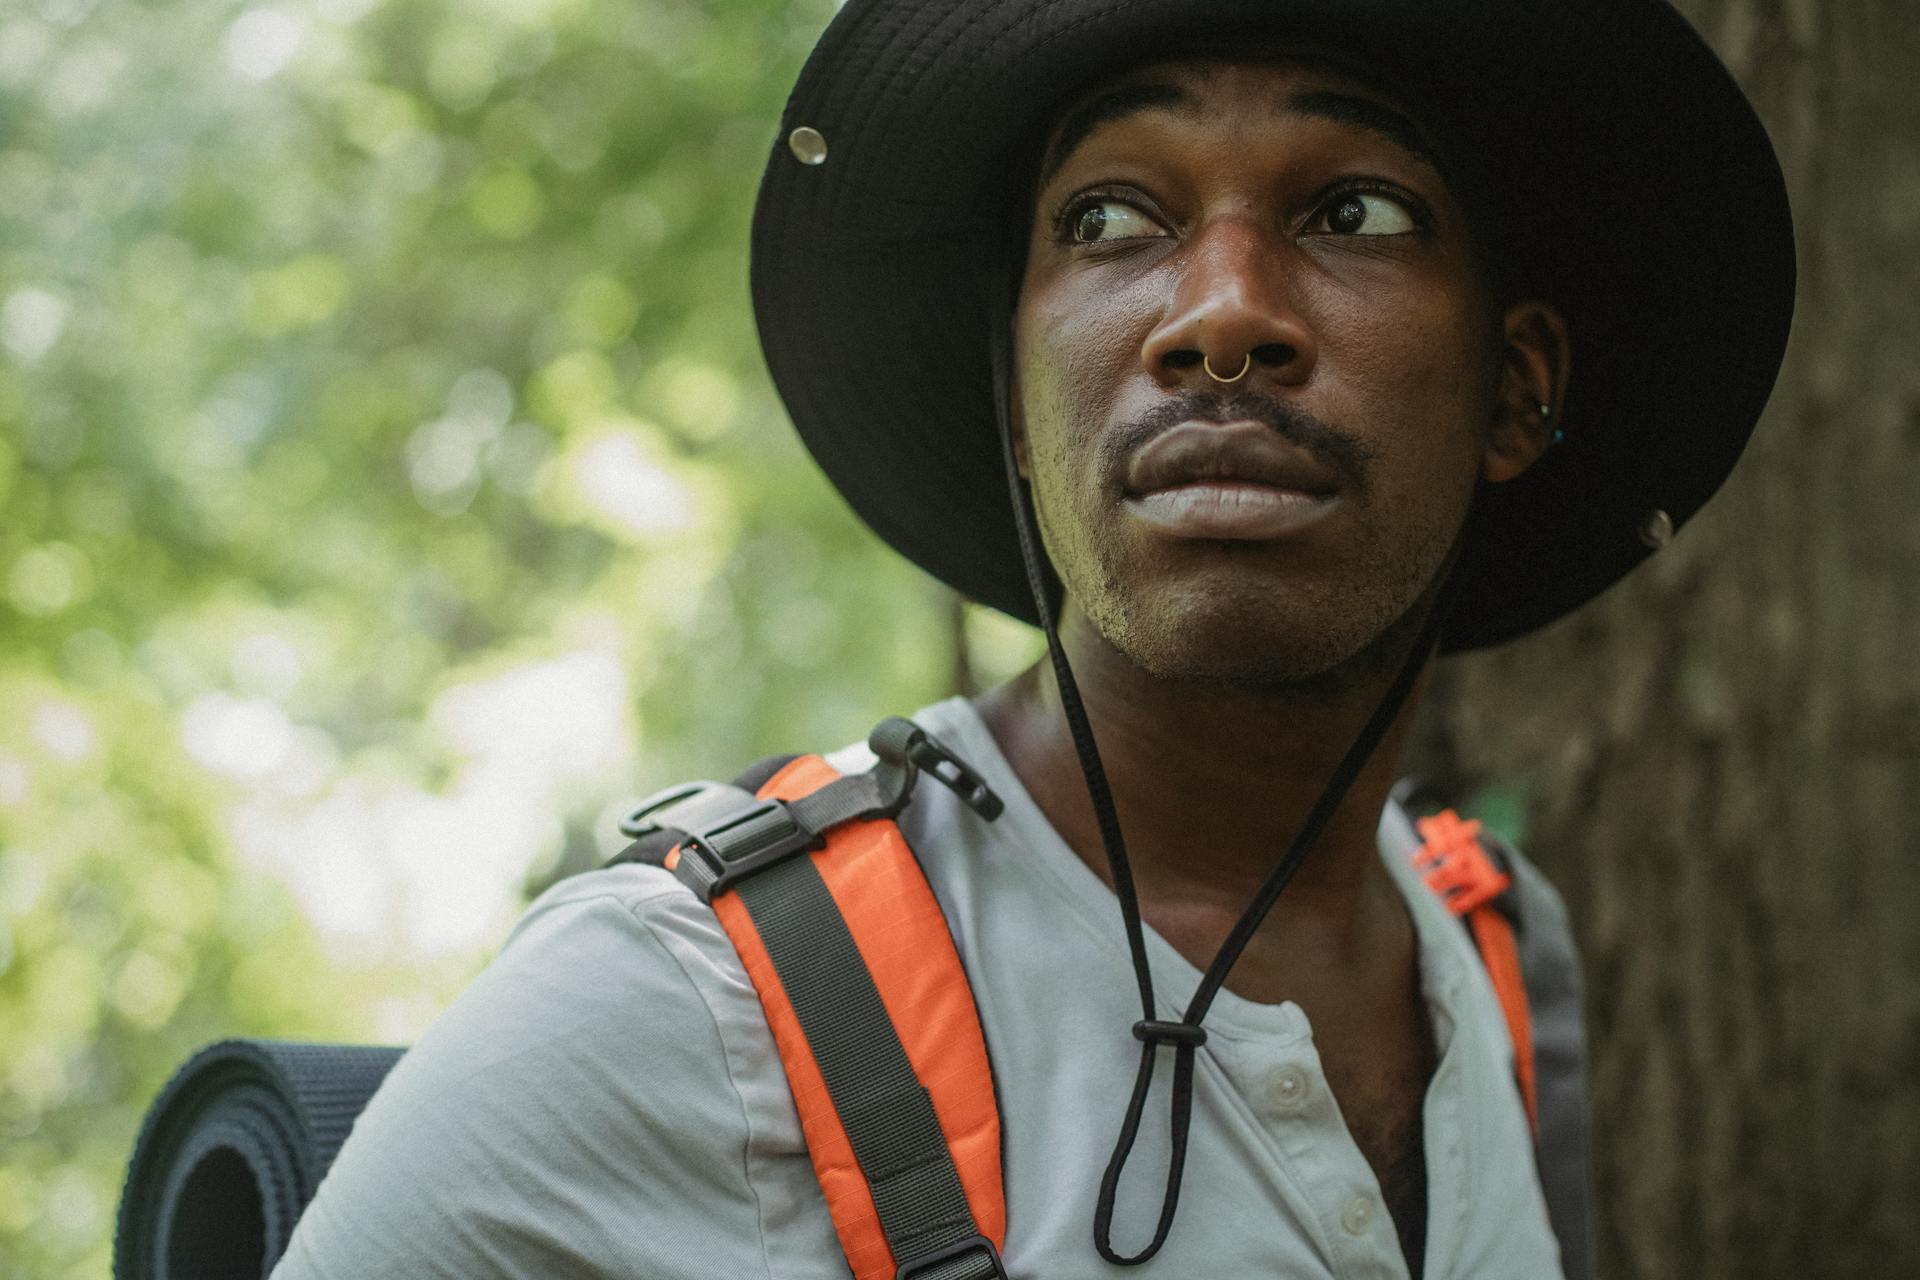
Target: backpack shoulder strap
[1551,964]
[1458,868]
[863,989]
[1522,932]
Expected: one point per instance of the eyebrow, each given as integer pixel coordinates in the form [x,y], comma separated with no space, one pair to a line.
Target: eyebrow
[1323,104]
[1104,108]
[1365,113]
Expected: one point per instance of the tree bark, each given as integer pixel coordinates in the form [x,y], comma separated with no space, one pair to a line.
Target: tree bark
[1720,761]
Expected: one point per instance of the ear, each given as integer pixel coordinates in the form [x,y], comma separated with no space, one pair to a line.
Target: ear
[1533,377]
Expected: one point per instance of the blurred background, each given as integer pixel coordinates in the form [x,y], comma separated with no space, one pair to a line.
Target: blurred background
[390,491]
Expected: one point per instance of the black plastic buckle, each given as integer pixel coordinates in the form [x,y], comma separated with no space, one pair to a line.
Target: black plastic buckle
[748,841]
[905,744]
[926,1261]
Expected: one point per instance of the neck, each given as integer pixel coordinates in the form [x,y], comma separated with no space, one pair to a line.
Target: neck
[1211,784]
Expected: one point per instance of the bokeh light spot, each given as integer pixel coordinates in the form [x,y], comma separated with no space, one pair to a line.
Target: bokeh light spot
[31,321]
[261,43]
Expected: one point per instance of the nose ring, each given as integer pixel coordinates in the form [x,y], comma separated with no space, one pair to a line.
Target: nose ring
[1206,362]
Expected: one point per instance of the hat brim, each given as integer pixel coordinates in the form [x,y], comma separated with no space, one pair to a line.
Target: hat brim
[1657,221]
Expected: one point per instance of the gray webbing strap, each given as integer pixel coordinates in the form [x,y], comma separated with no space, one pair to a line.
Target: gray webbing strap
[886,1112]
[1550,966]
[858,795]
[973,1265]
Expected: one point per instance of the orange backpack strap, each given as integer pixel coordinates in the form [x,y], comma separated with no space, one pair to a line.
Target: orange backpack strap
[1457,866]
[864,992]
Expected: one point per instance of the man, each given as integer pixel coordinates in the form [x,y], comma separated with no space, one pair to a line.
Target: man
[1277,308]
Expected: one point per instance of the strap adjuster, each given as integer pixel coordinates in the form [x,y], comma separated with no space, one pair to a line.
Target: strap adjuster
[724,834]
[926,1262]
[743,842]
[681,806]
[1456,865]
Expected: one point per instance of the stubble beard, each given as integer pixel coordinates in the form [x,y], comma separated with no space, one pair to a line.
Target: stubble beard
[1305,638]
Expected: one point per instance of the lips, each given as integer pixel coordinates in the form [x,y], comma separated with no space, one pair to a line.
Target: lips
[1239,480]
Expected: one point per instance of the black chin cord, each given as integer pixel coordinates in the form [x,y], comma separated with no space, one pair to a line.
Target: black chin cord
[1187,1035]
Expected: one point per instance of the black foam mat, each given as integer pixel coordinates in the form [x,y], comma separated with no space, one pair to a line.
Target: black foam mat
[231,1152]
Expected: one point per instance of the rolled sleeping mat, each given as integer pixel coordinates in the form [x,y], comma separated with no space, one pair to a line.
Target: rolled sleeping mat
[231,1152]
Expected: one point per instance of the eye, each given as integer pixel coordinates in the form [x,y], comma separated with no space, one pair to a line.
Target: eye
[1365,213]
[1096,221]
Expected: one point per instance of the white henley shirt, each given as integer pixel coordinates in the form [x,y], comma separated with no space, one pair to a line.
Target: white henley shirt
[605,1100]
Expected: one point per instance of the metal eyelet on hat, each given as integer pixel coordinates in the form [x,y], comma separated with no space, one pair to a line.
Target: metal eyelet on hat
[808,144]
[1656,528]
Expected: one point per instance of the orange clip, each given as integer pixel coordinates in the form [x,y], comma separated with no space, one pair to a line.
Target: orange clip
[1455,864]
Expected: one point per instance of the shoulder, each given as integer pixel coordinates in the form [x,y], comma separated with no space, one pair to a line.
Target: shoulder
[606,1084]
[617,965]
[645,932]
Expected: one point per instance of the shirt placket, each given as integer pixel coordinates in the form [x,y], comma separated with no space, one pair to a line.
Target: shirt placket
[1283,1083]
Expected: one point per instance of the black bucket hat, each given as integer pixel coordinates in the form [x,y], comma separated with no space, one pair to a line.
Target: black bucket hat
[1639,193]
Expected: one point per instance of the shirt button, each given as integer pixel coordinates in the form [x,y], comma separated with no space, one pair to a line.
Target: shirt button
[1288,1090]
[1358,1215]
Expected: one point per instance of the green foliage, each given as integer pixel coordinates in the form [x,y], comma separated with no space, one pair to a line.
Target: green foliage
[391,488]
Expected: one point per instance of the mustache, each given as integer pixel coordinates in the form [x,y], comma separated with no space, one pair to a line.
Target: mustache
[1339,448]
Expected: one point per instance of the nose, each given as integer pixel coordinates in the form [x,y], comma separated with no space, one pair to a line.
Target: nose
[1231,315]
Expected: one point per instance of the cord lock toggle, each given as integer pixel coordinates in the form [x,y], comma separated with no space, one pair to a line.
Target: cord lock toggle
[1157,1033]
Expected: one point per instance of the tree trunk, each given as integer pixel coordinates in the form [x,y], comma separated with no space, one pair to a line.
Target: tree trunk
[1720,762]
